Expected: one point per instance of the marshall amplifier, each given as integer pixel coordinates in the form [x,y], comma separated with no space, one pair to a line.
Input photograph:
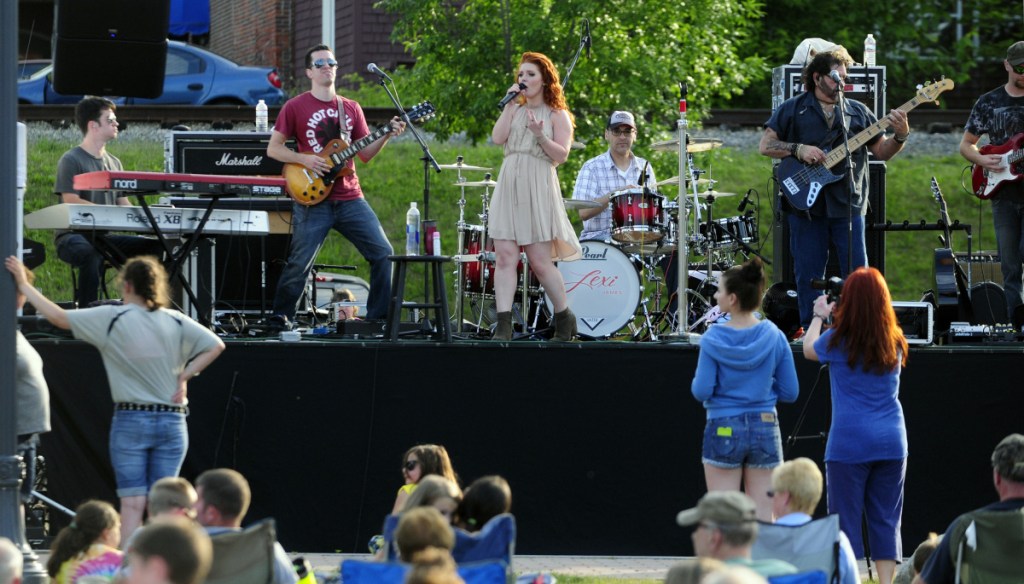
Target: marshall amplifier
[220,153]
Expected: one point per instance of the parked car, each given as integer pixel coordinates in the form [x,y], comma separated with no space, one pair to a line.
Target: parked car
[28,67]
[193,76]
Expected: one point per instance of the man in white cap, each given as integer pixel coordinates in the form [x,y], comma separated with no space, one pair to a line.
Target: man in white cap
[726,530]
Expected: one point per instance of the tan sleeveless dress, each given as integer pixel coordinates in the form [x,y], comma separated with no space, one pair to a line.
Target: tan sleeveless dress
[527,205]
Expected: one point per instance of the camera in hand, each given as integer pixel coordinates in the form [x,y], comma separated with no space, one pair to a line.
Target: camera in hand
[833,287]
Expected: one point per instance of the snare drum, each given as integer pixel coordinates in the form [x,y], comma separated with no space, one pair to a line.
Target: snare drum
[603,289]
[637,216]
[478,276]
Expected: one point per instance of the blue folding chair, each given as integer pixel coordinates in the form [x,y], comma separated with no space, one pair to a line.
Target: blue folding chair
[369,572]
[495,541]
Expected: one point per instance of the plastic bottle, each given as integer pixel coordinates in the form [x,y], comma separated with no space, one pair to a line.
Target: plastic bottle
[869,50]
[412,230]
[262,123]
[436,248]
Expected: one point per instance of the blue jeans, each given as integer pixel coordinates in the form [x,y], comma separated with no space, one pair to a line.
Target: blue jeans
[808,245]
[1008,218]
[359,224]
[77,250]
[752,440]
[145,447]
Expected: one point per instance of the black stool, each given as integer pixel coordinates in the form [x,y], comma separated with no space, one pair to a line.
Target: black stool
[440,297]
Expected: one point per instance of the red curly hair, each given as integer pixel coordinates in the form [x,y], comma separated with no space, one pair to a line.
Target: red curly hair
[865,323]
[553,95]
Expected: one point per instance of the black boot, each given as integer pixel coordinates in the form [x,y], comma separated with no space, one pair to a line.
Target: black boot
[503,331]
[565,325]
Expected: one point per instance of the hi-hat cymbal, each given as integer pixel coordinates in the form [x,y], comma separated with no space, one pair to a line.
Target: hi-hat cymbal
[577,145]
[701,182]
[580,204]
[715,194]
[461,166]
[479,183]
[692,145]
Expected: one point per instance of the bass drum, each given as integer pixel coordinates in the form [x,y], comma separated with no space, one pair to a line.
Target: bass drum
[603,289]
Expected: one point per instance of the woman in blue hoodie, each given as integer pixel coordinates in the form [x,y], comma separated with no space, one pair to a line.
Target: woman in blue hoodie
[745,366]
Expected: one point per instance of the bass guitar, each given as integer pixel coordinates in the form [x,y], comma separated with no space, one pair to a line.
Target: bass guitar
[986,182]
[306,188]
[802,183]
[951,287]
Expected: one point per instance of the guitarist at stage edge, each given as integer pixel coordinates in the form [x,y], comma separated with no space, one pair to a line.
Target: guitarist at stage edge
[1000,114]
[805,127]
[314,119]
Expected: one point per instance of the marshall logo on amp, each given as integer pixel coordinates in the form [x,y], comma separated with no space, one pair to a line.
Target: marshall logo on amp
[239,153]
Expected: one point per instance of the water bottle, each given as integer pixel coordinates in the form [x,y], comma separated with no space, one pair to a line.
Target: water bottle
[412,230]
[869,51]
[262,124]
[437,243]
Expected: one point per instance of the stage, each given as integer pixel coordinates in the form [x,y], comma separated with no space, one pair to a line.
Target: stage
[600,441]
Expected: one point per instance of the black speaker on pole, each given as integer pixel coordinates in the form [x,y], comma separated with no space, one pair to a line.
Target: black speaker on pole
[874,240]
[111,47]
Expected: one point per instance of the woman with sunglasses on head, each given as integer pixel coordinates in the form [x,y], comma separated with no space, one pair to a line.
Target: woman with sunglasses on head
[745,366]
[420,461]
[527,211]
[866,453]
[150,354]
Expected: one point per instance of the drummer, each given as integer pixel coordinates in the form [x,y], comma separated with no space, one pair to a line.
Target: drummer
[615,170]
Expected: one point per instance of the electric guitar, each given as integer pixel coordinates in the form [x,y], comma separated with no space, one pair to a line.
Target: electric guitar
[802,183]
[986,182]
[306,188]
[950,279]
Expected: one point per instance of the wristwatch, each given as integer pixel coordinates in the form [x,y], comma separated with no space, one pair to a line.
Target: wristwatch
[900,140]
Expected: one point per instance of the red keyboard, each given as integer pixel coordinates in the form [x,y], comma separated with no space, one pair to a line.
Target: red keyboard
[193,184]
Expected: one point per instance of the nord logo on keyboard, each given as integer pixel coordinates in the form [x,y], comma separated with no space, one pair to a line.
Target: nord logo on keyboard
[121,183]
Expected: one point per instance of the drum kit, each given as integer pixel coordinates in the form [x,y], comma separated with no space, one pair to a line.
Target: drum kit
[613,287]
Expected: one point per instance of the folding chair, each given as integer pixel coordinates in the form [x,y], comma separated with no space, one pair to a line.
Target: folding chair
[244,557]
[369,572]
[989,546]
[811,546]
[495,541]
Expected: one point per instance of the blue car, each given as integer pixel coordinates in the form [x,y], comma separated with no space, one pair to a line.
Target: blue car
[193,76]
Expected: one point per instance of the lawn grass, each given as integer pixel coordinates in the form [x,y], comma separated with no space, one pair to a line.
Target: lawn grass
[396,177]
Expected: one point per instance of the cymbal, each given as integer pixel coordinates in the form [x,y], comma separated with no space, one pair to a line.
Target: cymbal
[580,204]
[701,182]
[715,194]
[577,145]
[461,166]
[692,146]
[479,183]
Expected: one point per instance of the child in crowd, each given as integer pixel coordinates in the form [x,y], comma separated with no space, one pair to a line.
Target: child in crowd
[88,546]
[484,499]
[437,492]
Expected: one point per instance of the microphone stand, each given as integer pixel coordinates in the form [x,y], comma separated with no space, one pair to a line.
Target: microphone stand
[685,172]
[584,42]
[841,106]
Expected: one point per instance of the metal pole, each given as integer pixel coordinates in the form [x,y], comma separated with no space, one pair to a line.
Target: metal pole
[327,17]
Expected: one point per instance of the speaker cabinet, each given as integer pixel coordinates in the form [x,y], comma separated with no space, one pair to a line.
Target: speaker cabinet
[874,240]
[111,47]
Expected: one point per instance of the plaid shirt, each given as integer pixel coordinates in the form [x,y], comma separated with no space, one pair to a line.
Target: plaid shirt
[598,177]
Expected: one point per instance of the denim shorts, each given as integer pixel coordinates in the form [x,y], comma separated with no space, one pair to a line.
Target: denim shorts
[752,440]
[145,447]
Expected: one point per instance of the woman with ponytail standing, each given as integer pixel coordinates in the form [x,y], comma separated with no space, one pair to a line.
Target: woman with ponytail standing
[745,366]
[150,353]
[88,546]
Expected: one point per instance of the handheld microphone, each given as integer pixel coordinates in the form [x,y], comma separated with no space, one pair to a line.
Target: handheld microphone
[373,68]
[839,80]
[510,96]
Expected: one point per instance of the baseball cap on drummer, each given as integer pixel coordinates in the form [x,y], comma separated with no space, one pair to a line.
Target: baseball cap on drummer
[1015,54]
[720,507]
[623,118]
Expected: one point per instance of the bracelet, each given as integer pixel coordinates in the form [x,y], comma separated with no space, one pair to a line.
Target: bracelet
[900,140]
[794,149]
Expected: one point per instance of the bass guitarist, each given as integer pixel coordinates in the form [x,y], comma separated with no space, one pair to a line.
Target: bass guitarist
[806,127]
[314,119]
[1000,114]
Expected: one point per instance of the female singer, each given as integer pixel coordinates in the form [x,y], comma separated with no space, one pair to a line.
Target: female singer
[866,453]
[527,209]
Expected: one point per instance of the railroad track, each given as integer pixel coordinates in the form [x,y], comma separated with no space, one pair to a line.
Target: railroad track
[228,116]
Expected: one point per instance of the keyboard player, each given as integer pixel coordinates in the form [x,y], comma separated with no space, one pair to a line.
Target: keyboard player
[96,118]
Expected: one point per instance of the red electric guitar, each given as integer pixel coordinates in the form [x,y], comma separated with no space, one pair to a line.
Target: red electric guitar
[986,182]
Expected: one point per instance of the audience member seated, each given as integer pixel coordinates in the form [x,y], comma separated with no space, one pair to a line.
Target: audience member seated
[906,572]
[422,528]
[433,566]
[11,562]
[421,461]
[692,571]
[485,498]
[437,492]
[735,575]
[172,550]
[168,497]
[726,527]
[796,489]
[1001,562]
[223,497]
[88,546]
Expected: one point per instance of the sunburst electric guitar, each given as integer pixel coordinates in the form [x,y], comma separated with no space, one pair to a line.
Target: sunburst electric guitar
[305,187]
[802,183]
